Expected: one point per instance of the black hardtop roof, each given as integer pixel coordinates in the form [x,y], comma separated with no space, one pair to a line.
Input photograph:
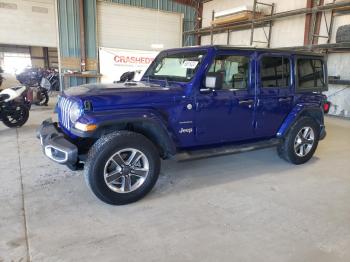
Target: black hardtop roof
[277,50]
[248,48]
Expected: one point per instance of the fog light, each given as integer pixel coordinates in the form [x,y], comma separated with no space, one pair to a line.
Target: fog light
[85,127]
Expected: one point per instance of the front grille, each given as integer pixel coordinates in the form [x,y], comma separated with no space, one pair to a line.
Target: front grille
[64,105]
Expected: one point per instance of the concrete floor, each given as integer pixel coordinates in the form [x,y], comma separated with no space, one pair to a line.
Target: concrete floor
[247,207]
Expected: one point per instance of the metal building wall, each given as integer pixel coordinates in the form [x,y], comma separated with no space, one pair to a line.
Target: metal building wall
[69,31]
[168,5]
[68,26]
[69,37]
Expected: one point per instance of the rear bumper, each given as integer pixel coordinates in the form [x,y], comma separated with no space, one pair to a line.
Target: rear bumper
[56,147]
[323,133]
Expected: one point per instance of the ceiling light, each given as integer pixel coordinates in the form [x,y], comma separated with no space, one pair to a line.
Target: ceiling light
[157,46]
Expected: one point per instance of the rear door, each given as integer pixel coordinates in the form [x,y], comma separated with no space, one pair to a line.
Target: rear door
[274,92]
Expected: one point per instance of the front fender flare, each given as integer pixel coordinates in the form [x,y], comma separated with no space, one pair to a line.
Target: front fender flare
[149,123]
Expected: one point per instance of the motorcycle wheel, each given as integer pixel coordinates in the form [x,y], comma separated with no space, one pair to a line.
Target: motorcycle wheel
[16,118]
[44,98]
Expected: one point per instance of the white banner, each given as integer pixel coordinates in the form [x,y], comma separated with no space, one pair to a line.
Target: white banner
[114,62]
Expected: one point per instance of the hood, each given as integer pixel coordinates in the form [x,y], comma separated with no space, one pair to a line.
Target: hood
[131,94]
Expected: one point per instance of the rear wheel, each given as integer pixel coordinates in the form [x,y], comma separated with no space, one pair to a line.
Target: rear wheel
[17,116]
[122,167]
[43,97]
[300,143]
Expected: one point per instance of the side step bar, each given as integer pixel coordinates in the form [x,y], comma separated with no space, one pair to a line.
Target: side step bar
[225,150]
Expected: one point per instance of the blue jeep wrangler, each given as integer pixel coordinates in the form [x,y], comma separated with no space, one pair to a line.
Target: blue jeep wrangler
[191,103]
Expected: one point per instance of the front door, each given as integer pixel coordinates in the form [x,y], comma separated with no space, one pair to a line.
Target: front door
[275,96]
[227,114]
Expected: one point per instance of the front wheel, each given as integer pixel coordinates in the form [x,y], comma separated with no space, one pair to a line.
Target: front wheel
[300,143]
[16,116]
[122,167]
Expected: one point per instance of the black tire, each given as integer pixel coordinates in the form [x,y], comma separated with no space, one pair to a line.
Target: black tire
[16,117]
[286,148]
[101,152]
[44,98]
[343,34]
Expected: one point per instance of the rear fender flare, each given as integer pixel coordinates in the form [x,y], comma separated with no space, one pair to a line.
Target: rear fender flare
[311,110]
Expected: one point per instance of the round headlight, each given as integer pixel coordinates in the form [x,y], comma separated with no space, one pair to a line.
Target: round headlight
[75,112]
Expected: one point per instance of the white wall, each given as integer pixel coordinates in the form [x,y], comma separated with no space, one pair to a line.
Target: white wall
[129,27]
[339,64]
[31,23]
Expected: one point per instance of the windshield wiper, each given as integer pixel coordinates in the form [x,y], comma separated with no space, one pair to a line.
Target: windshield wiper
[165,78]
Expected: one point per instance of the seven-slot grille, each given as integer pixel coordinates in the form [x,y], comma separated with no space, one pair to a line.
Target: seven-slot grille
[64,105]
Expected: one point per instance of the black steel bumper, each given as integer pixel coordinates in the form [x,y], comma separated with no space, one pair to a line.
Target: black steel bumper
[55,146]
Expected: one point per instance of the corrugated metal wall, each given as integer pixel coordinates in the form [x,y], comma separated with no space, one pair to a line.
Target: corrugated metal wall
[69,36]
[90,29]
[69,32]
[68,23]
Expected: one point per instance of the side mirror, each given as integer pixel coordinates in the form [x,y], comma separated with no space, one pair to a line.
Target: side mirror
[213,81]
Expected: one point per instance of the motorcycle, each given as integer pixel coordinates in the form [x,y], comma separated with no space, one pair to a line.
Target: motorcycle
[13,112]
[1,77]
[39,83]
[51,80]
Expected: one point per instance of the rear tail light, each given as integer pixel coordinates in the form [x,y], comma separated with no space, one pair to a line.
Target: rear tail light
[326,107]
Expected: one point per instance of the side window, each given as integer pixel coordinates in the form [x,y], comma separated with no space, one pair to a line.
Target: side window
[310,73]
[235,70]
[275,71]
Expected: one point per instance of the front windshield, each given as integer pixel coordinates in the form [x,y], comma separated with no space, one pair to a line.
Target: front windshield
[179,66]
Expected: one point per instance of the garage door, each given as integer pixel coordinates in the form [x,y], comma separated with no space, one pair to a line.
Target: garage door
[128,27]
[31,23]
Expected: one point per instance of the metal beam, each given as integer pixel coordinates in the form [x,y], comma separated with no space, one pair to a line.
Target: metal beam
[336,46]
[276,16]
[193,3]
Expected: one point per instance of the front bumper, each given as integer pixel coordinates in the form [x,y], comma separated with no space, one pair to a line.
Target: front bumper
[55,146]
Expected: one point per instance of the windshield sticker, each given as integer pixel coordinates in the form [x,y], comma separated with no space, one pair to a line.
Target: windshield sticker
[190,64]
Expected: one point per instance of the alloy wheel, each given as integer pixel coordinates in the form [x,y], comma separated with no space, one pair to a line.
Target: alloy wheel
[304,141]
[126,170]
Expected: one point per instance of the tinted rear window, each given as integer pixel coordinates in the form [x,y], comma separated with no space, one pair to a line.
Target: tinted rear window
[275,71]
[310,73]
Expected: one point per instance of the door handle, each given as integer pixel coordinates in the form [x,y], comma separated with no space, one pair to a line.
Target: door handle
[248,101]
[284,99]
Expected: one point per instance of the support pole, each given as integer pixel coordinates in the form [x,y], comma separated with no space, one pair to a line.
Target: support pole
[82,35]
[330,27]
[270,25]
[199,17]
[252,26]
[212,27]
